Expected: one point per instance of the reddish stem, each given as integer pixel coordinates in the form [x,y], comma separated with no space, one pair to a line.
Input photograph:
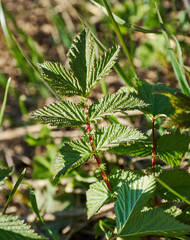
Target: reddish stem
[154,157]
[154,145]
[104,176]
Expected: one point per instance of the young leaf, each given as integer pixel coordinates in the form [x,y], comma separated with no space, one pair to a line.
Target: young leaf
[158,104]
[154,222]
[172,147]
[113,135]
[109,104]
[72,155]
[135,149]
[131,199]
[178,180]
[102,67]
[61,114]
[13,228]
[97,196]
[60,79]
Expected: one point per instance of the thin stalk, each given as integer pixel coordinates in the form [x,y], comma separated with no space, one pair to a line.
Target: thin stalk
[103,173]
[154,156]
[154,144]
[120,36]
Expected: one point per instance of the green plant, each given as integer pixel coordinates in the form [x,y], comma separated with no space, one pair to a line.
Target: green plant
[132,191]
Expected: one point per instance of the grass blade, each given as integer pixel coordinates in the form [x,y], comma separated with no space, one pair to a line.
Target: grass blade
[4,101]
[172,191]
[36,210]
[175,64]
[120,36]
[14,189]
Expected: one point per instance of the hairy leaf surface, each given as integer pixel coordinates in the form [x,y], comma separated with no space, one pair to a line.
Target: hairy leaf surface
[13,228]
[131,199]
[61,114]
[109,104]
[178,180]
[97,196]
[154,222]
[172,147]
[135,149]
[72,155]
[113,135]
[60,79]
[159,104]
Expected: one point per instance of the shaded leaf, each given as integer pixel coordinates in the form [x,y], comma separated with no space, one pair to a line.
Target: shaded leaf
[154,222]
[172,147]
[178,180]
[72,155]
[179,101]
[13,228]
[158,104]
[113,135]
[179,120]
[61,114]
[4,172]
[130,201]
[109,104]
[97,196]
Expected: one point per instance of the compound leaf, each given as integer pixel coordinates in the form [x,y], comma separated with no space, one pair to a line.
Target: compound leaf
[72,155]
[113,135]
[131,199]
[109,104]
[172,147]
[13,228]
[97,196]
[60,79]
[154,222]
[178,180]
[61,114]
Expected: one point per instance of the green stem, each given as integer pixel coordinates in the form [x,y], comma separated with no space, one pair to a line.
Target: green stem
[120,36]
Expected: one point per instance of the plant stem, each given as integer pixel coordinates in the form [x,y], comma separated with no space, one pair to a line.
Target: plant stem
[154,157]
[154,145]
[103,173]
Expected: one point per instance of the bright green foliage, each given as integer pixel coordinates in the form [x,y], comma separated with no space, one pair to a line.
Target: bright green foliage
[172,147]
[12,228]
[72,155]
[114,134]
[61,114]
[158,104]
[109,104]
[97,196]
[178,181]
[154,222]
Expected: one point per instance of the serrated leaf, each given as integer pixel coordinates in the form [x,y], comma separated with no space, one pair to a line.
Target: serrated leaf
[102,66]
[13,228]
[172,147]
[61,114]
[97,196]
[113,135]
[154,222]
[60,79]
[131,199]
[109,104]
[158,104]
[72,155]
[179,101]
[178,180]
[135,149]
[179,120]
